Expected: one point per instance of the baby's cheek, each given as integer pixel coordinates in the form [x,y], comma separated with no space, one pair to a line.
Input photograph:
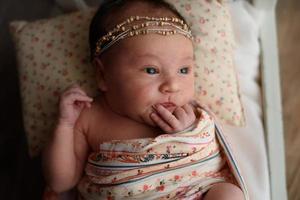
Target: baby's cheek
[148,92]
[143,97]
[192,87]
[189,90]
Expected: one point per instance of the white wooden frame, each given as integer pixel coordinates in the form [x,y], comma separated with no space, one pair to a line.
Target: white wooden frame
[271,93]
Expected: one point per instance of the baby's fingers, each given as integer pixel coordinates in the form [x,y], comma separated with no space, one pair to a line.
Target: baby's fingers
[87,104]
[168,117]
[161,123]
[180,114]
[188,109]
[74,88]
[76,97]
[185,115]
[82,104]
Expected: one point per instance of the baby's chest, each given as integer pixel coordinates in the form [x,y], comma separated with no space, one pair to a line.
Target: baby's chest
[117,130]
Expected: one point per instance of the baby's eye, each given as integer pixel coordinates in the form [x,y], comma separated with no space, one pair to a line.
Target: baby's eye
[151,70]
[184,70]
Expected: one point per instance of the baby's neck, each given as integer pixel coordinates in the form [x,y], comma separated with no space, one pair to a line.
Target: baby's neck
[106,108]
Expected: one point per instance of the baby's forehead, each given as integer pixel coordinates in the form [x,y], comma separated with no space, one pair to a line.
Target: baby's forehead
[117,20]
[156,47]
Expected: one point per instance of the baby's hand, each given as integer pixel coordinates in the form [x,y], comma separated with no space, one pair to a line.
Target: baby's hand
[180,119]
[72,101]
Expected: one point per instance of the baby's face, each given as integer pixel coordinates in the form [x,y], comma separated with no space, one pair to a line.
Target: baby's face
[147,70]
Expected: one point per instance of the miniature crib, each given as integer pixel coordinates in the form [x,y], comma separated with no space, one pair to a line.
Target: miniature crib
[270,85]
[263,13]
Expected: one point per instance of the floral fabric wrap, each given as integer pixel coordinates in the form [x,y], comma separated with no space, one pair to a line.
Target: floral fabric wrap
[171,166]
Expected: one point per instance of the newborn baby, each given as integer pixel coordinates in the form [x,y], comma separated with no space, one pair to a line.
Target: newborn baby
[143,54]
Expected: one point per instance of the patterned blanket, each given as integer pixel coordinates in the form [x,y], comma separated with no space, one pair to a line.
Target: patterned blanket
[182,165]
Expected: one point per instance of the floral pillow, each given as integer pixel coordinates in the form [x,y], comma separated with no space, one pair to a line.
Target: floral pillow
[54,53]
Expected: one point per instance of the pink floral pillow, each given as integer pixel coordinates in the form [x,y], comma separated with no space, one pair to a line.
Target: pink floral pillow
[216,81]
[54,53]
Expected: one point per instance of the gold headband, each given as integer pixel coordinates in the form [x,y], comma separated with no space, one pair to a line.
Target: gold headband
[132,27]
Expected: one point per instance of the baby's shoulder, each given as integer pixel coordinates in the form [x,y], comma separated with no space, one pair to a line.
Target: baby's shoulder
[90,116]
[92,122]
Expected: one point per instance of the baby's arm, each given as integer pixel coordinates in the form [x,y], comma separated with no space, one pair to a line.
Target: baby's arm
[65,154]
[182,118]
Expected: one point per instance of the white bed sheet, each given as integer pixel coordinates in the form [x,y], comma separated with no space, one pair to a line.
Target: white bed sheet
[248,143]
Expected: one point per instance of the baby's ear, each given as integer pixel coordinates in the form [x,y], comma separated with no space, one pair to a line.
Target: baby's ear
[100,74]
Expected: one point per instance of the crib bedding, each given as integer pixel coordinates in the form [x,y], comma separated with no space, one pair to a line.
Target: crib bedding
[248,142]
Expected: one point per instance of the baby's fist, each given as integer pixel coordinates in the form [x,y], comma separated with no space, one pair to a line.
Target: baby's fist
[182,118]
[72,102]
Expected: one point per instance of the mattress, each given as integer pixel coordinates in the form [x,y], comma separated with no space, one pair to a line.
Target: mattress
[248,142]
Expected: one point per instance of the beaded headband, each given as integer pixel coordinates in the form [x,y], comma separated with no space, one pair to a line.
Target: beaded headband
[137,25]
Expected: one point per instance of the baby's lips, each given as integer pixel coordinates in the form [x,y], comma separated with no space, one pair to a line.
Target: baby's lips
[169,106]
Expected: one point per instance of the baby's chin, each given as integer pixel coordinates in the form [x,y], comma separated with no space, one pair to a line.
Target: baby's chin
[146,119]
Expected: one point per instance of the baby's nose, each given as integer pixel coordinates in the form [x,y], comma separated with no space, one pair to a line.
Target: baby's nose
[170,85]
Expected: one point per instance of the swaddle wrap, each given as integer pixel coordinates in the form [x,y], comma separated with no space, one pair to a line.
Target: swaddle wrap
[182,165]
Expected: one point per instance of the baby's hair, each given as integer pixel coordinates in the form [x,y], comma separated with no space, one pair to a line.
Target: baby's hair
[100,23]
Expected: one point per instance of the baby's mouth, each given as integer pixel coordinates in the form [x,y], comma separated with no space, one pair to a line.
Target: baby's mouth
[169,106]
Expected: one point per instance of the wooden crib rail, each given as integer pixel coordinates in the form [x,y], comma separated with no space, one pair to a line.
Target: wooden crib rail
[272,99]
